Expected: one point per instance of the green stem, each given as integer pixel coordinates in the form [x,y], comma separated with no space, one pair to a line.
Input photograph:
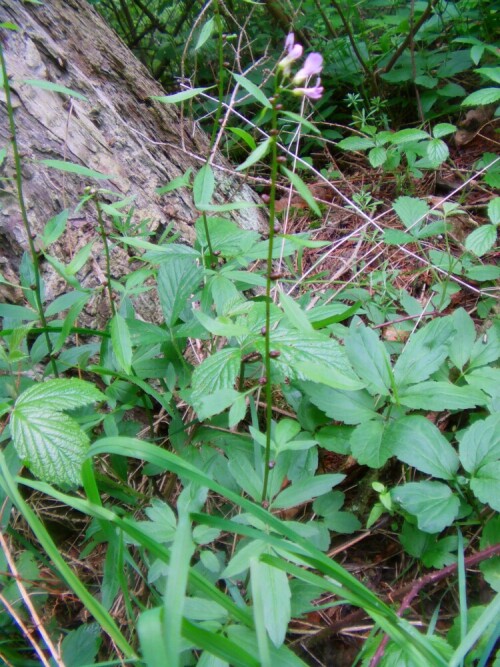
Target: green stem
[267,340]
[24,215]
[104,237]
[220,92]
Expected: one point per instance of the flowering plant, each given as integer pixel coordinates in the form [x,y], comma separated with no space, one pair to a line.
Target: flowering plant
[312,67]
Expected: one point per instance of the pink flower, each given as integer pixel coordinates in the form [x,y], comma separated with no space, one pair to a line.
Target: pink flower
[312,66]
[313,93]
[294,53]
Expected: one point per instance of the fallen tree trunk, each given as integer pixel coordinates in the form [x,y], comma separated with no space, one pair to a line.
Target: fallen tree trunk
[115,129]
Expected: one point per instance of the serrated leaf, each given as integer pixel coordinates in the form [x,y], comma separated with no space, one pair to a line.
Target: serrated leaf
[179,97]
[222,326]
[407,136]
[433,503]
[397,237]
[51,444]
[121,342]
[443,129]
[203,186]
[483,272]
[213,404]
[424,353]
[368,445]
[492,73]
[350,407]
[178,278]
[494,210]
[437,151]
[411,211]
[254,90]
[55,87]
[480,444]
[356,144]
[482,97]
[476,53]
[369,358]
[432,395]
[78,169]
[219,371]
[481,240]
[80,646]
[485,484]
[205,34]
[271,593]
[377,156]
[225,236]
[258,154]
[302,189]
[59,395]
[419,443]
[305,490]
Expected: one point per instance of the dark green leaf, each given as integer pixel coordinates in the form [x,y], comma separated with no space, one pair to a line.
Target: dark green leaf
[433,503]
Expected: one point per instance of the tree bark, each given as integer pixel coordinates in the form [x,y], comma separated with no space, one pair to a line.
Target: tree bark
[117,130]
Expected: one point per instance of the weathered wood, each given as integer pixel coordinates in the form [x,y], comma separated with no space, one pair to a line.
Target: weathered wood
[119,130]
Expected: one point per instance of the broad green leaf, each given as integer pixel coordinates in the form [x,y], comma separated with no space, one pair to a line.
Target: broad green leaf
[432,395]
[218,371]
[356,144]
[481,240]
[377,156]
[258,154]
[254,90]
[485,378]
[222,326]
[212,404]
[55,227]
[369,358]
[151,636]
[483,272]
[55,87]
[443,129]
[433,503]
[203,186]
[329,376]
[73,168]
[407,136]
[80,646]
[494,210]
[305,490]
[259,614]
[80,258]
[302,189]
[424,353]
[178,278]
[419,443]
[350,407]
[492,73]
[246,136]
[437,151]
[282,657]
[201,609]
[59,394]
[411,211]
[491,568]
[486,348]
[368,445]
[121,342]
[482,97]
[274,595]
[397,237]
[240,562]
[480,444]
[294,313]
[464,338]
[485,484]
[323,316]
[205,33]
[21,313]
[225,236]
[179,97]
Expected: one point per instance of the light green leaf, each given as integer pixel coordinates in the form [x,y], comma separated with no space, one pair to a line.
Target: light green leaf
[480,444]
[482,97]
[246,136]
[305,490]
[73,168]
[294,313]
[55,227]
[274,596]
[350,407]
[437,151]
[222,326]
[494,211]
[57,395]
[258,154]
[181,181]
[80,258]
[483,272]
[331,377]
[240,562]
[411,211]
[302,189]
[425,352]
[485,484]
[225,236]
[356,144]
[237,412]
[55,87]
[419,443]
[369,358]
[203,186]
[205,33]
[464,338]
[481,240]
[121,342]
[486,348]
[178,278]
[485,378]
[397,237]
[443,129]
[254,90]
[218,371]
[432,395]
[377,156]
[408,136]
[492,73]
[179,97]
[80,646]
[433,503]
[213,404]
[368,445]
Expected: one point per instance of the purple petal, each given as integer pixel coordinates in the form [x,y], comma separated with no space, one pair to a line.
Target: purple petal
[313,65]
[289,42]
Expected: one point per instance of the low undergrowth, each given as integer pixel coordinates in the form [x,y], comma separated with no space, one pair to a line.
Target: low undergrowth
[190,491]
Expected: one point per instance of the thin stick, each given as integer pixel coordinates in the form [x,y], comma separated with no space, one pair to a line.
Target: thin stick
[29,605]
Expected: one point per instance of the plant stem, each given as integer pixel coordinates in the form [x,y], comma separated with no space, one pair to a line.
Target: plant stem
[24,215]
[267,340]
[104,237]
